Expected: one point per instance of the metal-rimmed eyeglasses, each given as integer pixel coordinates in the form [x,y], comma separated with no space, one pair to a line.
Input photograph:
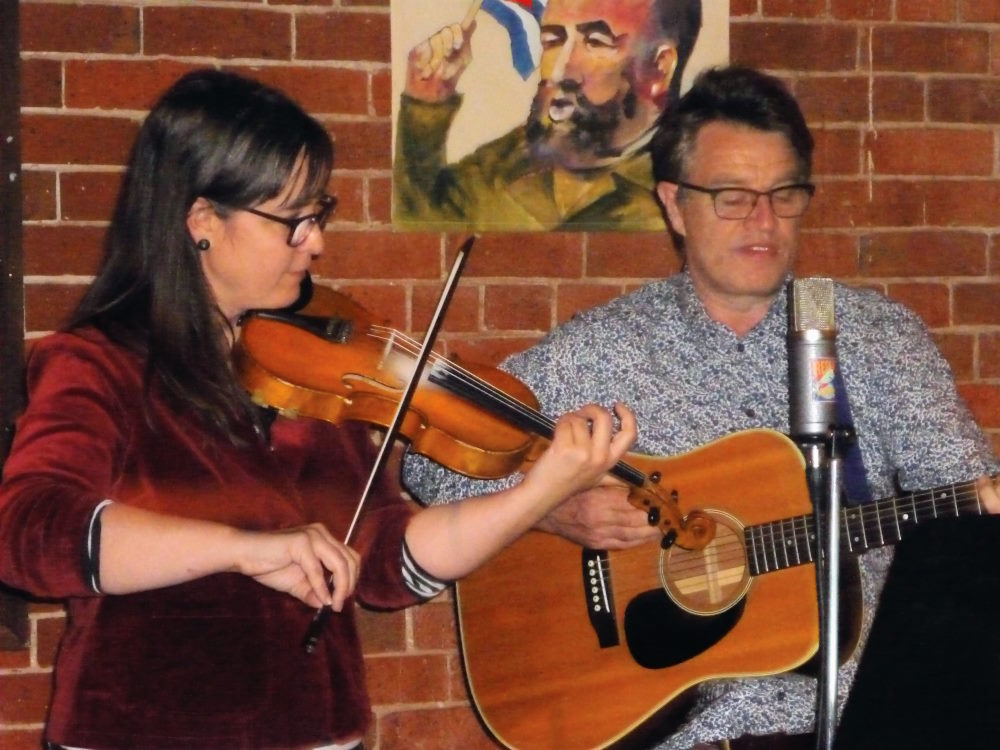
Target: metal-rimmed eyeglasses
[299,227]
[787,201]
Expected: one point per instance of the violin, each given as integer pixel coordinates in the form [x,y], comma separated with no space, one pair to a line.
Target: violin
[332,361]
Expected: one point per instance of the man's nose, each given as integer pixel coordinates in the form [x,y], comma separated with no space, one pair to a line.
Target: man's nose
[566,66]
[762,213]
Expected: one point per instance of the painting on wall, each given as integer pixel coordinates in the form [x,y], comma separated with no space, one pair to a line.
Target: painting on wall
[521,115]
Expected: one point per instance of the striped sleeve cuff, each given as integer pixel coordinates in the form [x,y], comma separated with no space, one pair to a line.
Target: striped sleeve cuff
[92,550]
[418,580]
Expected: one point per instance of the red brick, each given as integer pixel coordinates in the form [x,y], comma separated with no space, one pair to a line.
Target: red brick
[76,139]
[318,89]
[217,32]
[978,11]
[923,253]
[793,8]
[385,304]
[381,632]
[434,626]
[418,678]
[50,631]
[642,255]
[120,84]
[785,46]
[926,10]
[958,349]
[840,203]
[343,36]
[518,307]
[47,306]
[379,255]
[862,10]
[739,8]
[831,254]
[899,99]
[833,99]
[55,250]
[18,658]
[838,151]
[989,355]
[20,739]
[984,402]
[24,697]
[965,100]
[438,728]
[379,200]
[963,202]
[527,255]
[381,93]
[930,49]
[933,151]
[38,189]
[41,83]
[977,304]
[572,298]
[88,196]
[59,27]
[932,302]
[491,350]
[462,313]
[362,145]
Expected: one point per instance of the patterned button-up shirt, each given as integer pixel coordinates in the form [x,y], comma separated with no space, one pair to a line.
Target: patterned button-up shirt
[691,380]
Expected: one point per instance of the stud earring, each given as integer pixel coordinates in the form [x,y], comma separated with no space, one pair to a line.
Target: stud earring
[203,244]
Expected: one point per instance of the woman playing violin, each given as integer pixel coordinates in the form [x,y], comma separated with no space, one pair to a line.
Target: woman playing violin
[192,534]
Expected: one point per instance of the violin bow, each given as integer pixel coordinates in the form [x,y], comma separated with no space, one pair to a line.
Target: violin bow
[323,613]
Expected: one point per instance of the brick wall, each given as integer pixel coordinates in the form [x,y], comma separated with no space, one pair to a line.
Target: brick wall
[903,95]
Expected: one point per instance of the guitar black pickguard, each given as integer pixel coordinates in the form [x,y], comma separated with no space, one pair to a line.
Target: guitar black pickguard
[660,634]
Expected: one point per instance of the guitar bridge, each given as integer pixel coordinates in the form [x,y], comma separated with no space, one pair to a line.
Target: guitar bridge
[598,598]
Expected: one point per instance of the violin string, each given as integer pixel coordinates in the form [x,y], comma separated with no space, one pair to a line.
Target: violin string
[487,390]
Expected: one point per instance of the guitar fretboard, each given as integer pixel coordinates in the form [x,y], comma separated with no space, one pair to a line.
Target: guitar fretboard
[792,541]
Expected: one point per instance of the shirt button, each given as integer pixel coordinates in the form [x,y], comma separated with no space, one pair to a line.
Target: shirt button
[740,348]
[750,413]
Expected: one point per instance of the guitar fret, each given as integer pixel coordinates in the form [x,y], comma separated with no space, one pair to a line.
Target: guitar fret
[774,549]
[895,518]
[954,497]
[878,520]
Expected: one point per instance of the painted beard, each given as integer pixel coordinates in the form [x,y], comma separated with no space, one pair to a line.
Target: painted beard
[584,137]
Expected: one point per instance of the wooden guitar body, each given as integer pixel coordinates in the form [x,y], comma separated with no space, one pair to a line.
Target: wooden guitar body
[537,671]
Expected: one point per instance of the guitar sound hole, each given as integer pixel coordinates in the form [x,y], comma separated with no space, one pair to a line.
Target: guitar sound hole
[710,580]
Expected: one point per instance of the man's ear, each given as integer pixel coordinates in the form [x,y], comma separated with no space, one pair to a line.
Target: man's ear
[667,193]
[201,219]
[665,61]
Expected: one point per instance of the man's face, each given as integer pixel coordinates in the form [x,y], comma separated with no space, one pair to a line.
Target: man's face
[602,75]
[735,264]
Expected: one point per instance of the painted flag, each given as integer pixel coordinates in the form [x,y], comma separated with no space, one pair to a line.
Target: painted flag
[520,18]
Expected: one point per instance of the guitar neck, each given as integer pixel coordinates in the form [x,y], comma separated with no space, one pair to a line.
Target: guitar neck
[777,545]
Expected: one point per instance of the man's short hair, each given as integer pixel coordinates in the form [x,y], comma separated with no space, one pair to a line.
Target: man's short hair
[733,94]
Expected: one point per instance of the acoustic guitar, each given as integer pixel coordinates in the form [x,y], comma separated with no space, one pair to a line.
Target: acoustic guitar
[567,648]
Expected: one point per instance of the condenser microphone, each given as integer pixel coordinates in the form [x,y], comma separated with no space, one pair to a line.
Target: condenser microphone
[812,360]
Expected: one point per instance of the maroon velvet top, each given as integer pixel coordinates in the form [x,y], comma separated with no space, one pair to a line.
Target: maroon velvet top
[217,662]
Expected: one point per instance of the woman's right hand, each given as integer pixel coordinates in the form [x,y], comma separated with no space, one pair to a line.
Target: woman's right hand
[299,562]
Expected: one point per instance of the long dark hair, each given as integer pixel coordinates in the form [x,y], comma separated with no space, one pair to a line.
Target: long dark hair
[232,141]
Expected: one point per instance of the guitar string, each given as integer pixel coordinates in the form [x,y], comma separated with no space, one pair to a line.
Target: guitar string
[964,497]
[729,552]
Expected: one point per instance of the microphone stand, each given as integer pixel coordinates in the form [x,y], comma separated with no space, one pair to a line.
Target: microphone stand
[825,478]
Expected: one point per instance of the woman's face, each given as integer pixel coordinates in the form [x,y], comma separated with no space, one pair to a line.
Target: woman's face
[249,263]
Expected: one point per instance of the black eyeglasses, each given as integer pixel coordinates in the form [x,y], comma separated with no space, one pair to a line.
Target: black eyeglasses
[300,226]
[787,201]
